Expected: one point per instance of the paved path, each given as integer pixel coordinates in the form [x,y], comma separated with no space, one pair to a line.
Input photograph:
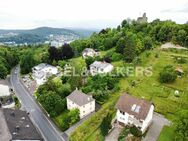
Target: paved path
[154,131]
[72,128]
[114,134]
[41,121]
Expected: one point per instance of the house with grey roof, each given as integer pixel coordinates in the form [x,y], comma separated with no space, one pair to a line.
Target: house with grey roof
[89,52]
[134,111]
[100,67]
[79,100]
[15,125]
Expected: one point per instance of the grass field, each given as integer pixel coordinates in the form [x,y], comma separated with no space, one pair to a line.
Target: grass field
[167,134]
[148,87]
[58,119]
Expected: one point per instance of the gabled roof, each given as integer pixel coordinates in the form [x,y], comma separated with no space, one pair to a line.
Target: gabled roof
[42,66]
[80,98]
[139,108]
[99,64]
[86,50]
[20,125]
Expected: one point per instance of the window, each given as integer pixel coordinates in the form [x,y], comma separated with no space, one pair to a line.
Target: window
[83,111]
[122,118]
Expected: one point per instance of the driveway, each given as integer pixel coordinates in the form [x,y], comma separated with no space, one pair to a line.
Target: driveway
[154,131]
[114,134]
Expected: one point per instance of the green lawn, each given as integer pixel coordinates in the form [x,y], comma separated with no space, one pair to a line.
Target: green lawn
[167,134]
[58,119]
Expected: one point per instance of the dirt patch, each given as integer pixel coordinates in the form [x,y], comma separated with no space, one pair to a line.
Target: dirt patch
[171,45]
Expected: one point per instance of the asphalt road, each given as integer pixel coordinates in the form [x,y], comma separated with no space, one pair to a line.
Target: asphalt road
[41,121]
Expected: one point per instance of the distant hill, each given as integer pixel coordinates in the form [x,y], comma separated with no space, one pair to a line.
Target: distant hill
[42,34]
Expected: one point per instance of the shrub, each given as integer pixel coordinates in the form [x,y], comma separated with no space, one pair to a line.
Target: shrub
[62,63]
[156,55]
[148,54]
[135,131]
[107,59]
[137,60]
[168,74]
[116,56]
[106,124]
[70,118]
[89,61]
[181,60]
[124,134]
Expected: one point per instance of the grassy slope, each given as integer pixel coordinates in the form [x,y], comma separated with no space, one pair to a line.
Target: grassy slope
[162,95]
[167,134]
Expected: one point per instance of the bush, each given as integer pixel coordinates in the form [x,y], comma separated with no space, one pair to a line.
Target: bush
[181,60]
[106,124]
[168,74]
[52,103]
[181,126]
[62,63]
[70,118]
[107,59]
[148,54]
[116,56]
[124,134]
[156,55]
[135,131]
[89,61]
[137,61]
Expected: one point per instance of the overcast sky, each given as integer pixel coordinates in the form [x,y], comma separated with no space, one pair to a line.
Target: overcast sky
[24,14]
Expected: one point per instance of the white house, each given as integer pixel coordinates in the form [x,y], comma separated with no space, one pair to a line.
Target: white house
[100,67]
[42,71]
[134,111]
[6,100]
[79,100]
[89,52]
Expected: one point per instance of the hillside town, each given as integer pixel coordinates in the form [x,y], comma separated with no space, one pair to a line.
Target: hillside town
[123,83]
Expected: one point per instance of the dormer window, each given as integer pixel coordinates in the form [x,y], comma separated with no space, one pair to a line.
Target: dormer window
[123,113]
[135,108]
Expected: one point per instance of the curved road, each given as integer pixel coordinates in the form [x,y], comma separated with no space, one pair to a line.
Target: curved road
[46,127]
